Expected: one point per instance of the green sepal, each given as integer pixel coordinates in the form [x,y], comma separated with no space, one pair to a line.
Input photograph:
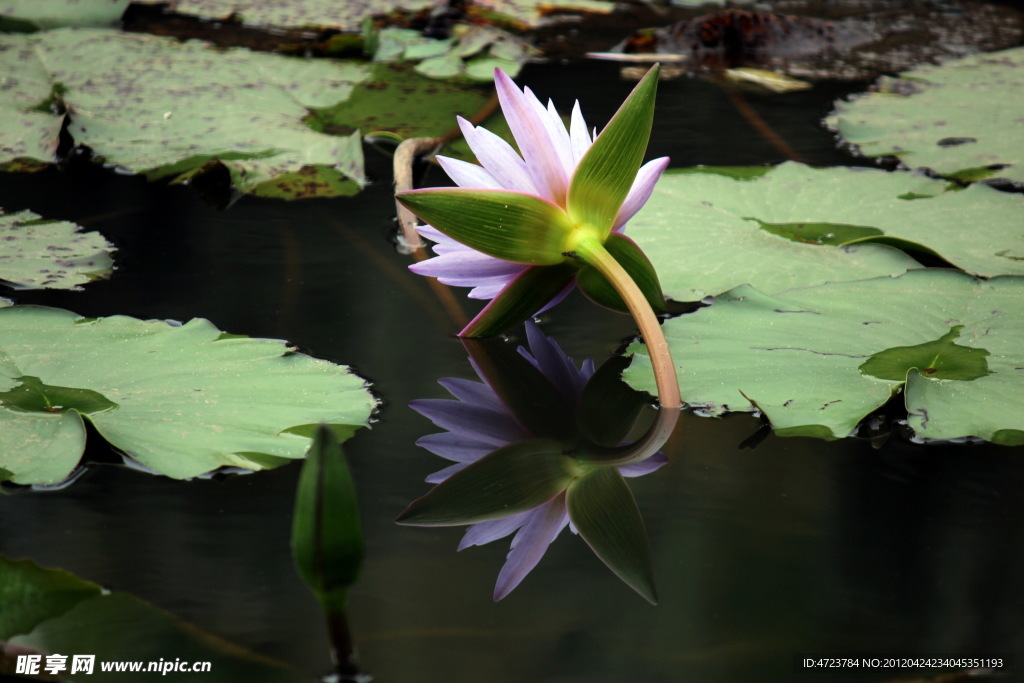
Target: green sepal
[327,535]
[607,171]
[609,408]
[603,510]
[533,399]
[521,298]
[514,478]
[511,226]
[598,289]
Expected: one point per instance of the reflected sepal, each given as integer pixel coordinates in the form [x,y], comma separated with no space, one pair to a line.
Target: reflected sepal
[514,478]
[603,510]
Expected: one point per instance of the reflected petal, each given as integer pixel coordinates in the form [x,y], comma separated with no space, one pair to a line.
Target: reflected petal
[530,544]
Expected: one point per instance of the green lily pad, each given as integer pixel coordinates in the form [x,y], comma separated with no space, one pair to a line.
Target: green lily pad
[817,360]
[51,611]
[707,231]
[180,399]
[152,105]
[473,52]
[39,253]
[44,14]
[397,99]
[960,119]
[320,14]
[530,13]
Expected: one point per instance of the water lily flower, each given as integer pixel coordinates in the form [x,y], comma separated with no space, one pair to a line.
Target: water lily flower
[532,426]
[520,230]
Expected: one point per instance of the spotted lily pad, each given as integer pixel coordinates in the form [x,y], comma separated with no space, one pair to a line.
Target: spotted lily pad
[817,360]
[43,14]
[39,253]
[707,230]
[472,52]
[320,14]
[179,399]
[152,105]
[961,119]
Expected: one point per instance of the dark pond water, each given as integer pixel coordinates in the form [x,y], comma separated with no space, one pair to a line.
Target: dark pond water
[791,547]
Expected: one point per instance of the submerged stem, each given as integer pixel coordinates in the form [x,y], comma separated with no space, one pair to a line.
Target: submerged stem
[590,250]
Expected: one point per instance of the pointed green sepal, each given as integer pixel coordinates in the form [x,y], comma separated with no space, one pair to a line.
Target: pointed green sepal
[533,399]
[529,292]
[327,536]
[603,510]
[609,408]
[598,289]
[606,172]
[514,478]
[512,226]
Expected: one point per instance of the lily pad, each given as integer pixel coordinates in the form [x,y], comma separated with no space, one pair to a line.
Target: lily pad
[320,14]
[39,253]
[961,119]
[51,611]
[817,360]
[179,399]
[708,230]
[532,13]
[152,105]
[44,14]
[472,53]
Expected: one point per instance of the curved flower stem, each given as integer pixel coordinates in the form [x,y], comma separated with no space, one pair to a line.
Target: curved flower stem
[591,251]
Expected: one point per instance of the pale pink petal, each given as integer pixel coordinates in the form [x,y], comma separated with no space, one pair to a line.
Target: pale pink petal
[640,192]
[470,175]
[492,530]
[530,544]
[578,134]
[457,264]
[498,158]
[563,145]
[531,134]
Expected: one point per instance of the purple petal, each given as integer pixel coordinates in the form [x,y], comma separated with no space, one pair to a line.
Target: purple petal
[639,469]
[498,157]
[441,475]
[554,364]
[530,544]
[466,268]
[640,192]
[530,131]
[480,424]
[469,391]
[492,530]
[466,174]
[455,447]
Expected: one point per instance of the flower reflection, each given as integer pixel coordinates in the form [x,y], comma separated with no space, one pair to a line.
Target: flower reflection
[488,415]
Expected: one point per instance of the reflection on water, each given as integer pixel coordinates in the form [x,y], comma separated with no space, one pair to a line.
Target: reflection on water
[794,546]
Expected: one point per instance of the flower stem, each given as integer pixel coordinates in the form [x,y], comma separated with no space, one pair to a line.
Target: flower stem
[591,251]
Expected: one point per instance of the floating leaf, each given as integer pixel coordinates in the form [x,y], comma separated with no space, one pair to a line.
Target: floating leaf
[960,119]
[816,360]
[180,399]
[530,13]
[43,14]
[52,611]
[706,231]
[155,106]
[472,52]
[39,253]
[343,16]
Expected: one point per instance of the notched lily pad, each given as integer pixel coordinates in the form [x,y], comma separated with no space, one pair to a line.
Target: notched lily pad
[939,359]
[707,231]
[817,360]
[180,399]
[39,253]
[152,105]
[961,120]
